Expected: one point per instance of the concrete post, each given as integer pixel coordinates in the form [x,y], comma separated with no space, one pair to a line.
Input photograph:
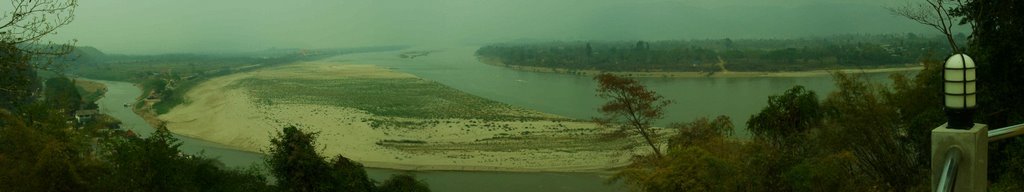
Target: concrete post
[973,143]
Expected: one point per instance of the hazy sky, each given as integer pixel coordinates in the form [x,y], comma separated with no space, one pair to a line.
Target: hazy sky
[166,26]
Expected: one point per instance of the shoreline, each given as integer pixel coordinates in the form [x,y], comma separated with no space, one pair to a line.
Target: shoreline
[691,74]
[233,117]
[154,121]
[99,89]
[150,117]
[454,168]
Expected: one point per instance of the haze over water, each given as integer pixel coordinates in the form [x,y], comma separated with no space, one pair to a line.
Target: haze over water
[195,26]
[455,29]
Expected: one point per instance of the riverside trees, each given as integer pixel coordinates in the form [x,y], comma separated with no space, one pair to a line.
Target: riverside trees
[850,51]
[864,136]
[700,157]
[299,167]
[40,148]
[21,53]
[61,95]
[40,151]
[996,30]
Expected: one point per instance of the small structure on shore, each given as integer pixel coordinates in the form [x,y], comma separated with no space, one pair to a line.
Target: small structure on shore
[85,115]
[130,134]
[153,95]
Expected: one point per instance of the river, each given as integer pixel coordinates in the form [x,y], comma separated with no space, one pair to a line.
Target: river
[562,94]
[574,95]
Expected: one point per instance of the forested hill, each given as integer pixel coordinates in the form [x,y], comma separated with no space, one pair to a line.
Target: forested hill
[712,55]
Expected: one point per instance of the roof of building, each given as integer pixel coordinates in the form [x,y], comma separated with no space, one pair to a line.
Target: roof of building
[86,112]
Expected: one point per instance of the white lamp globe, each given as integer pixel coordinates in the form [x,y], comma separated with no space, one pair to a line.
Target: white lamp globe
[960,82]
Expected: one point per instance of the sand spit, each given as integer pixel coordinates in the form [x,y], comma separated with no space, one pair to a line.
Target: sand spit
[222,111]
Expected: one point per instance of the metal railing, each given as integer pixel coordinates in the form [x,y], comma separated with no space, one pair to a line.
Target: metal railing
[949,170]
[953,155]
[1005,132]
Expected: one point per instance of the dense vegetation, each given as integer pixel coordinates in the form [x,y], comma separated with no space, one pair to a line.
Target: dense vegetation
[41,151]
[43,148]
[170,76]
[849,51]
[862,137]
[294,160]
[998,27]
[46,145]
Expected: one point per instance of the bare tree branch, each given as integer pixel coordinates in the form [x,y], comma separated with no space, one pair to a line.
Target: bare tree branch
[933,13]
[26,22]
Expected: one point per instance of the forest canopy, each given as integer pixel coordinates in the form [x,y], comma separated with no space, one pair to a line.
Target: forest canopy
[716,55]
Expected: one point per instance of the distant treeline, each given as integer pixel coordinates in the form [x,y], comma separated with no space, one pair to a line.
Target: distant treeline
[168,77]
[711,55]
[92,63]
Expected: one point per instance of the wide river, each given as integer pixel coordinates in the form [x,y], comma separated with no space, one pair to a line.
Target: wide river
[574,95]
[562,94]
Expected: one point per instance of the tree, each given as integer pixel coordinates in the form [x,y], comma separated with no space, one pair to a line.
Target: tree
[21,28]
[781,137]
[39,152]
[154,84]
[631,107]
[38,155]
[700,157]
[828,172]
[996,27]
[993,43]
[157,164]
[860,121]
[148,164]
[918,103]
[863,136]
[61,95]
[28,21]
[786,116]
[933,13]
[20,81]
[296,164]
[210,175]
[403,183]
[351,174]
[589,50]
[701,132]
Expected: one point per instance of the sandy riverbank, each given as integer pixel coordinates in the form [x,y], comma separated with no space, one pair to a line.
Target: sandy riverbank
[225,111]
[89,90]
[727,74]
